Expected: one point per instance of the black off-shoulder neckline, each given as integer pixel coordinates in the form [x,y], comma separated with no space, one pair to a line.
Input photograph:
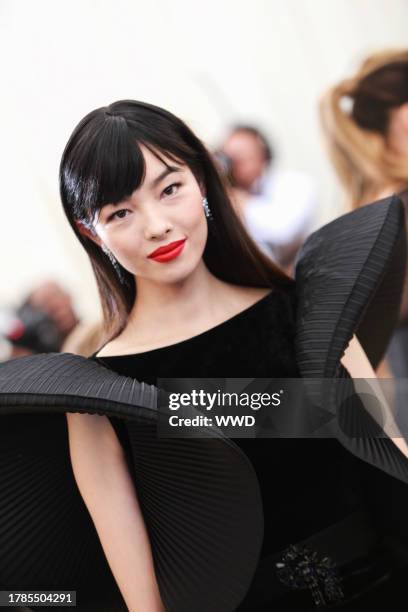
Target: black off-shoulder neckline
[248,310]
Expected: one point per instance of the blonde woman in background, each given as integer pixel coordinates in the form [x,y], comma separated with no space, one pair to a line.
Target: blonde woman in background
[365,123]
[368,144]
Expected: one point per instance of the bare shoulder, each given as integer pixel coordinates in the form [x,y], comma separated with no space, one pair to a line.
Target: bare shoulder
[236,298]
[246,296]
[113,347]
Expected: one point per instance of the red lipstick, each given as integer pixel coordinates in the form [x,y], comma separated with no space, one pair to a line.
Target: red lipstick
[168,252]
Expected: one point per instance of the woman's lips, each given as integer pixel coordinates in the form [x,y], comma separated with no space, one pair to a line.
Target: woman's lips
[168,252]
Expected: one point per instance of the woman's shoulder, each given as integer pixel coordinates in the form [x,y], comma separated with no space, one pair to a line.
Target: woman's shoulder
[270,306]
[247,296]
[243,297]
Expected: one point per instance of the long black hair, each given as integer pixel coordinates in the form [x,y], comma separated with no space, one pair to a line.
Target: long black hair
[102,163]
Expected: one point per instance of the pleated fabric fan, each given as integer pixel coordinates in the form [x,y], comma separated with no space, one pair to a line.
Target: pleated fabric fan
[200,497]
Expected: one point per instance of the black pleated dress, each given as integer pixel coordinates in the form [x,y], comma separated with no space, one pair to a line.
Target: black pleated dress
[307,486]
[242,524]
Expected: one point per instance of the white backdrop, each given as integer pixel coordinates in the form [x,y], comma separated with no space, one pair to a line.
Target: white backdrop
[211,62]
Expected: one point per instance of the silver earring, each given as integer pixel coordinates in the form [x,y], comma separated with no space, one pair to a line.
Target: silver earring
[207,209]
[114,262]
[109,254]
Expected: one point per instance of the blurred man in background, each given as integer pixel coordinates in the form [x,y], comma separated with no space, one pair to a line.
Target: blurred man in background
[278,206]
[39,325]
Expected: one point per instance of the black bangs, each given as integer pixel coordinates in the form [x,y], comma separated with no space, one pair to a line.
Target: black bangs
[104,165]
[103,162]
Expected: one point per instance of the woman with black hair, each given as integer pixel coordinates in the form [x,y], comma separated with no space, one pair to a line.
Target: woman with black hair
[200,523]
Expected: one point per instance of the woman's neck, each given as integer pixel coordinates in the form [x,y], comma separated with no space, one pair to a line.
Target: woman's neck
[169,303]
[389,189]
[166,312]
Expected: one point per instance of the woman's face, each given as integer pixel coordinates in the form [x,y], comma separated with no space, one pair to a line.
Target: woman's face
[167,208]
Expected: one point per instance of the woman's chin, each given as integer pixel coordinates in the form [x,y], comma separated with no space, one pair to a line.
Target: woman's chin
[178,273]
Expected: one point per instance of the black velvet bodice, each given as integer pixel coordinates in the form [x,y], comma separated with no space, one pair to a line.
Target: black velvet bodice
[305,484]
[234,348]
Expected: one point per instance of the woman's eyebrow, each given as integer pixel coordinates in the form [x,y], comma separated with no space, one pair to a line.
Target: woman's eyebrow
[166,172]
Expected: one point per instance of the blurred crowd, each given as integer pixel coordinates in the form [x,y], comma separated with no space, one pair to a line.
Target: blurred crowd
[364,120]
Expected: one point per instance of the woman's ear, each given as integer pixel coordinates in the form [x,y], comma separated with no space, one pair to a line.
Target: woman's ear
[88,231]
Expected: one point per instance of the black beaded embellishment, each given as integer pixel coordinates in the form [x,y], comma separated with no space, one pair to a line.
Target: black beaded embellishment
[301,568]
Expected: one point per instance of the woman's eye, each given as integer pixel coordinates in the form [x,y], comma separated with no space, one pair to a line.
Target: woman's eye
[119,214]
[171,189]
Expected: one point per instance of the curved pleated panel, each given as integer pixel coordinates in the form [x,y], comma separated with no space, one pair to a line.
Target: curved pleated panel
[54,381]
[360,428]
[349,278]
[47,538]
[200,497]
[206,477]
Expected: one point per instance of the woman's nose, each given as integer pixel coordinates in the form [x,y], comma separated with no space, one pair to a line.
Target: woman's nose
[156,227]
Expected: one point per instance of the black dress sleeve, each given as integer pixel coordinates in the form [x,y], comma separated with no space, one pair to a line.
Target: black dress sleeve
[200,497]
